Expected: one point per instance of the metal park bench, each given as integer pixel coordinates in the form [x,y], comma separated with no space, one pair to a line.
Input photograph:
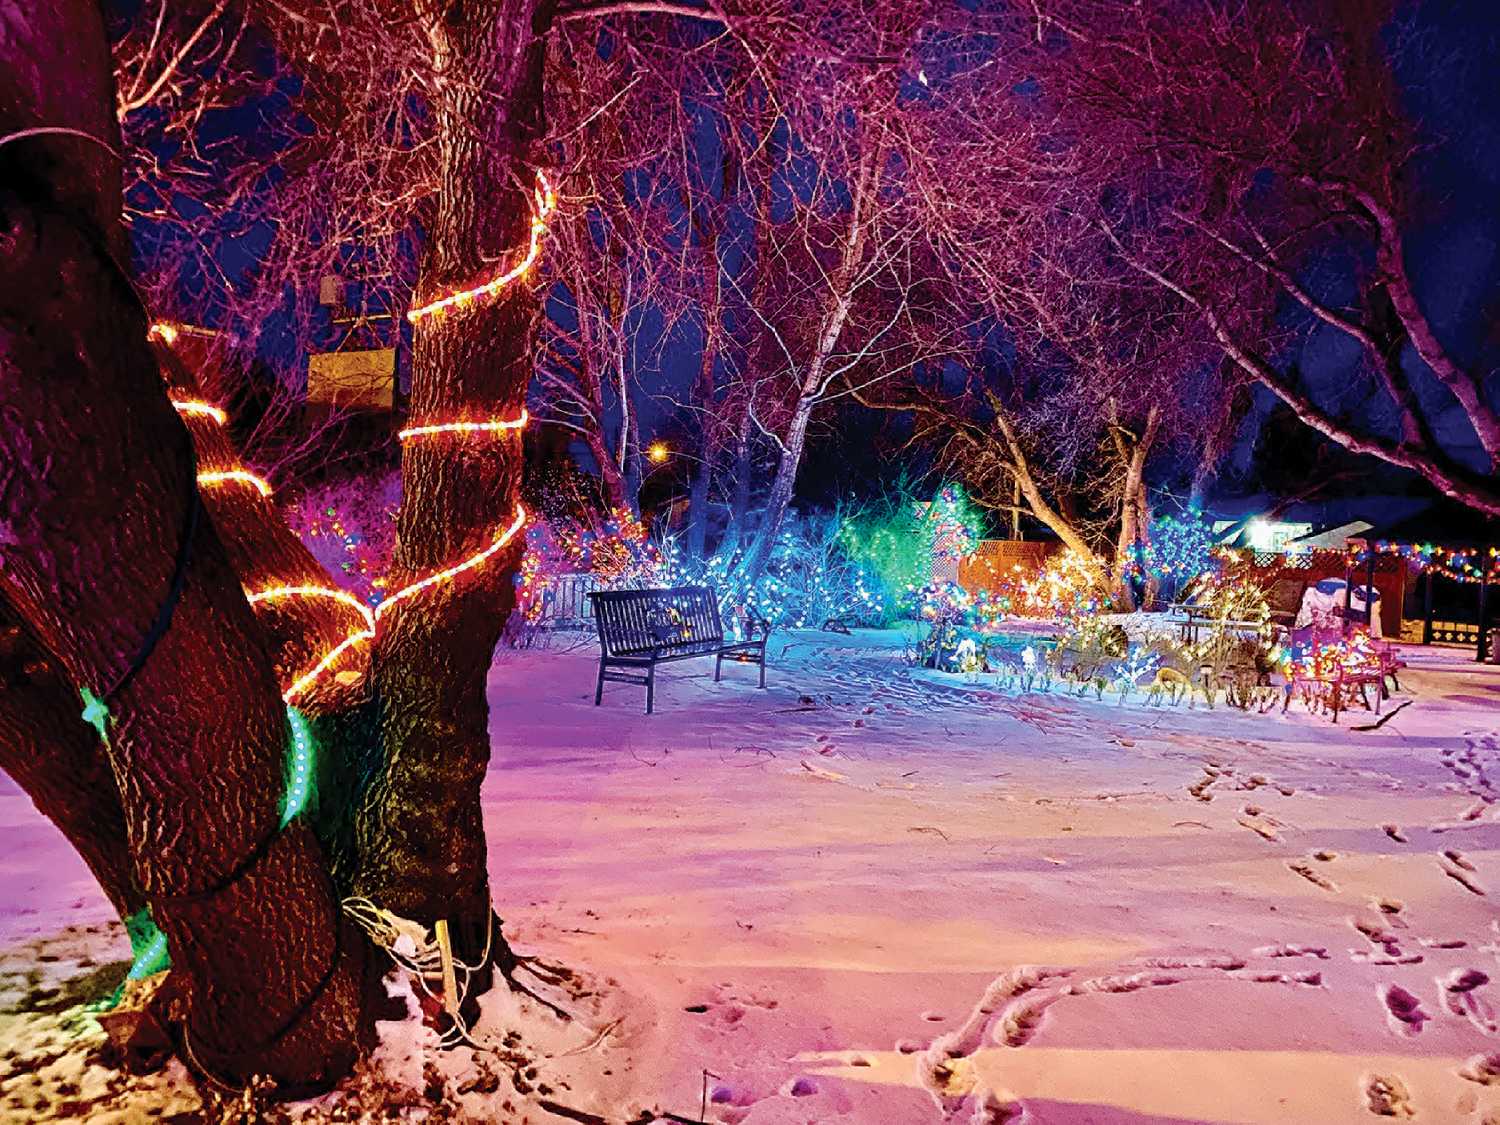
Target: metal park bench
[639,629]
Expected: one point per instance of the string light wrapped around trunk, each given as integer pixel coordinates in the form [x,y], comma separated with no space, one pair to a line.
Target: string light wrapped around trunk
[545,202]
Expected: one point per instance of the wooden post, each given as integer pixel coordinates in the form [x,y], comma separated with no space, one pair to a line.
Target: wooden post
[1348,590]
[1479,647]
[1370,593]
[1427,608]
[450,977]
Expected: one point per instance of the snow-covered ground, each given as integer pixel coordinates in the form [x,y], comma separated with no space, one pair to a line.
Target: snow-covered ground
[877,895]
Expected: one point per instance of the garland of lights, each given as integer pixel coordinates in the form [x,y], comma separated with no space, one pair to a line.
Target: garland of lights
[546,203]
[465,427]
[1457,565]
[370,619]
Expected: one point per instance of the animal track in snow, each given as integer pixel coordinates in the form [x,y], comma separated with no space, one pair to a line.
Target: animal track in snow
[1290,950]
[1483,1069]
[1460,870]
[1387,948]
[1013,1006]
[1199,789]
[1264,831]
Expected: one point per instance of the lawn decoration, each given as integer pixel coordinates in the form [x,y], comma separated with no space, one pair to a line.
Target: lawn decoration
[1140,662]
[1328,671]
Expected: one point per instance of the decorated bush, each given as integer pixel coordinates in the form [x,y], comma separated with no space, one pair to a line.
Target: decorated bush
[1179,550]
[350,527]
[910,549]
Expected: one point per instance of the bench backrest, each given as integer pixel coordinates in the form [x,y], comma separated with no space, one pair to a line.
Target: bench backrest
[638,622]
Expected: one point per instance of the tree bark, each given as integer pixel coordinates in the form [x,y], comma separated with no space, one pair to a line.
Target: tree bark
[108,561]
[421,829]
[97,527]
[1135,519]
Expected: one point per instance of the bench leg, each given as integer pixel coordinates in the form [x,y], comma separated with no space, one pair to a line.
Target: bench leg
[650,689]
[718,666]
[599,689]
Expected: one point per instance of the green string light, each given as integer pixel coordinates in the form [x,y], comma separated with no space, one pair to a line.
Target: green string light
[299,783]
[95,713]
[148,945]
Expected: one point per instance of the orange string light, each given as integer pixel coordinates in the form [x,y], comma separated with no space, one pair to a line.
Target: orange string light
[197,408]
[200,409]
[239,476]
[277,593]
[546,203]
[307,678]
[369,618]
[372,618]
[465,427]
[454,571]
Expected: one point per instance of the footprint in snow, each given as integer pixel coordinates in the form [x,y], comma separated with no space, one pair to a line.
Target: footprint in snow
[1404,1011]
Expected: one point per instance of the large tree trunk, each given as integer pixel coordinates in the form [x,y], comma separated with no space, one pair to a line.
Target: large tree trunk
[1135,517]
[198,737]
[421,830]
[113,567]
